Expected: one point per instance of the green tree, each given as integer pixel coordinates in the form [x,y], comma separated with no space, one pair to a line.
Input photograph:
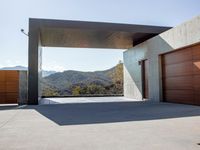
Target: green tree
[50,92]
[117,78]
[76,91]
[118,73]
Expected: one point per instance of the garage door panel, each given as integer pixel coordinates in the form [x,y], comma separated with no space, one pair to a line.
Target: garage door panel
[197,85]
[196,81]
[12,76]
[178,57]
[181,69]
[179,83]
[197,99]
[196,52]
[2,98]
[196,67]
[2,76]
[180,96]
[2,87]
[181,77]
[11,87]
[197,94]
[11,98]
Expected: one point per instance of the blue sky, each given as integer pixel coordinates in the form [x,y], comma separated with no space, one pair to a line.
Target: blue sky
[14,16]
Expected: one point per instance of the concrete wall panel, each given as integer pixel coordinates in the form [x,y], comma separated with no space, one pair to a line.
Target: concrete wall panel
[23,87]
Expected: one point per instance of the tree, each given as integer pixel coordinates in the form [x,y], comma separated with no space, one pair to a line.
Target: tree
[118,73]
[95,89]
[76,91]
[117,78]
[50,92]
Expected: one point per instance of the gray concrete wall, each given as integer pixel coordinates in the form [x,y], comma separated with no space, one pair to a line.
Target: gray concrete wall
[183,35]
[23,88]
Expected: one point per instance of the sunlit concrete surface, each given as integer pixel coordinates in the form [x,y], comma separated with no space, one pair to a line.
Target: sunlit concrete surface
[84,100]
[100,126]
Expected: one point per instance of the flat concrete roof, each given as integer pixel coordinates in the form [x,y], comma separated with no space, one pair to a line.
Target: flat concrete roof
[82,34]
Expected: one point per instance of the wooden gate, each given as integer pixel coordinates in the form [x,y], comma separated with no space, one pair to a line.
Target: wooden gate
[9,86]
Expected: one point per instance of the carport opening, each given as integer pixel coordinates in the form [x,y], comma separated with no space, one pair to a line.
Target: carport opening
[81,72]
[82,34]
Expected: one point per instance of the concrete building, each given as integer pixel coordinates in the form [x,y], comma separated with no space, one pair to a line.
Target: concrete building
[166,67]
[160,64]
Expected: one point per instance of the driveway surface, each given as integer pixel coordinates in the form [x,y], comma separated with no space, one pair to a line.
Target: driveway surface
[100,126]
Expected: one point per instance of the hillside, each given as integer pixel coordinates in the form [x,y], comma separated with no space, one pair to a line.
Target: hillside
[84,83]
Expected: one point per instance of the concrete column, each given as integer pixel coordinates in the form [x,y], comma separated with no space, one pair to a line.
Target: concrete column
[34,63]
[23,89]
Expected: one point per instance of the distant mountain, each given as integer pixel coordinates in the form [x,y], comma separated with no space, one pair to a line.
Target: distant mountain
[45,73]
[14,68]
[67,78]
[63,83]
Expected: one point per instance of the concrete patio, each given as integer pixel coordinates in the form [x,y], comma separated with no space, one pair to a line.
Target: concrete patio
[100,126]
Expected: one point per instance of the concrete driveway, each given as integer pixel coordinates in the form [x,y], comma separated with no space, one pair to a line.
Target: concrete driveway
[100,126]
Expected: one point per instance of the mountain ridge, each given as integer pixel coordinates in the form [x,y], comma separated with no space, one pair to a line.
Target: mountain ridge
[45,73]
[98,82]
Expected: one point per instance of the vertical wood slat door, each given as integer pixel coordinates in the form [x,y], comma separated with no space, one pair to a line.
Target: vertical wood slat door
[9,87]
[2,87]
[181,76]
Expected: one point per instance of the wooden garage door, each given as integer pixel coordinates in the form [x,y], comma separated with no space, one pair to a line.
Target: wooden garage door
[9,87]
[181,76]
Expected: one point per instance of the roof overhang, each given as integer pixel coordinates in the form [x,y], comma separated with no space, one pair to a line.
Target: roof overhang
[82,34]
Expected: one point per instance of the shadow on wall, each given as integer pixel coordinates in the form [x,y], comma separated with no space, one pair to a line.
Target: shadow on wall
[133,70]
[92,113]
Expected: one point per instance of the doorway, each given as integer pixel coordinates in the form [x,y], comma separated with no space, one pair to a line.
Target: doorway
[145,79]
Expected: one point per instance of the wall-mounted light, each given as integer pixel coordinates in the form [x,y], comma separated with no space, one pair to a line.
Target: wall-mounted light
[22,30]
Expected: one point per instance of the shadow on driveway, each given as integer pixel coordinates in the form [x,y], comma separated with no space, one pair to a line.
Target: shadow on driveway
[91,113]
